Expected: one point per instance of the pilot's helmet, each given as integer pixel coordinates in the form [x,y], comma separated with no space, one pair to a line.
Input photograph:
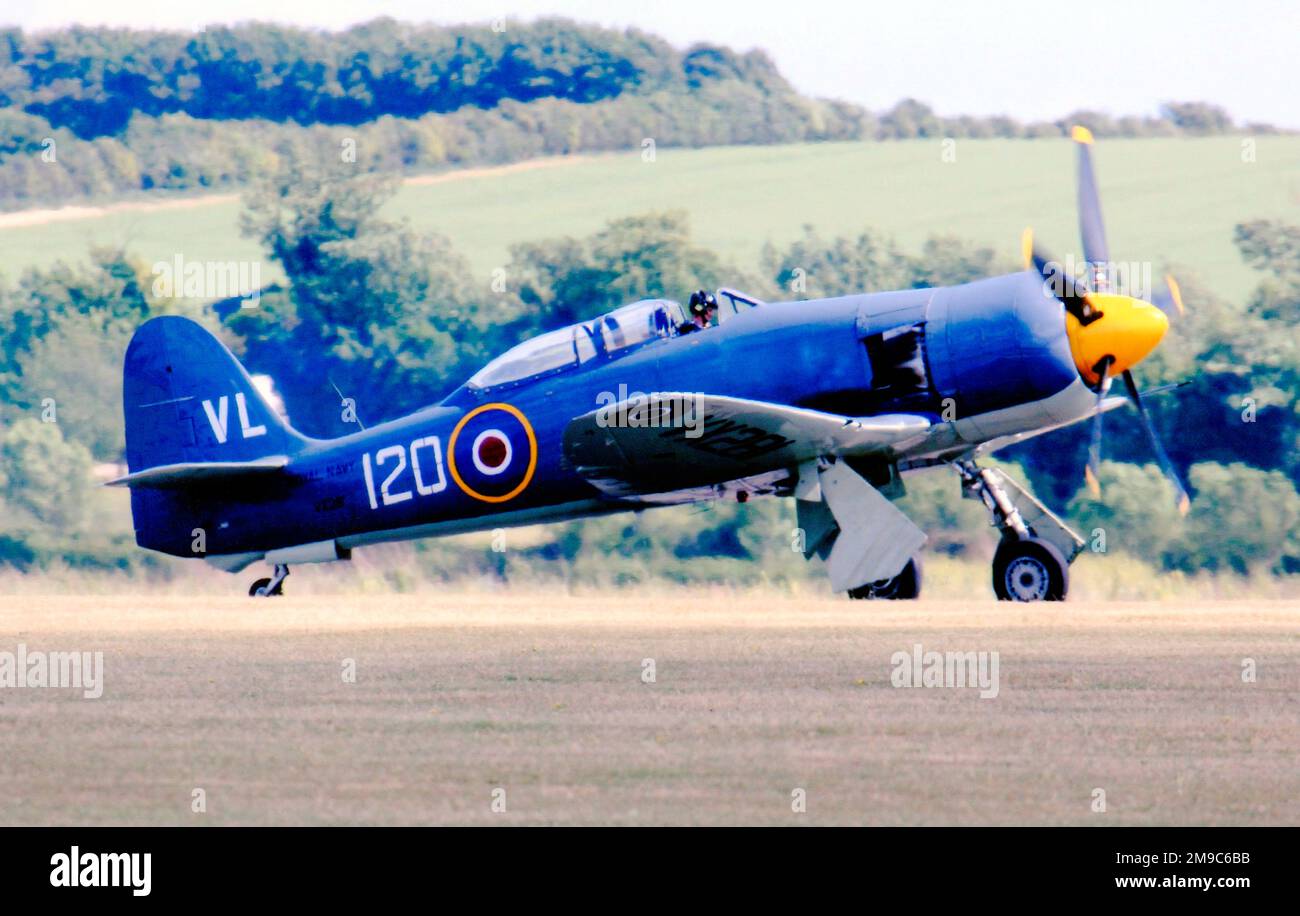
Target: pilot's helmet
[702,301]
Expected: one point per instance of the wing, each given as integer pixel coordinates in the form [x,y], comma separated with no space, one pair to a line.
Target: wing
[670,440]
[992,445]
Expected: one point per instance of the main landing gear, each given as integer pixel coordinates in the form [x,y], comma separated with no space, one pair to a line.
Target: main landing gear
[1029,570]
[905,586]
[1028,566]
[266,588]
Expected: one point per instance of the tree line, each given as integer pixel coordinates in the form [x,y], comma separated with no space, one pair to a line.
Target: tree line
[93,80]
[100,112]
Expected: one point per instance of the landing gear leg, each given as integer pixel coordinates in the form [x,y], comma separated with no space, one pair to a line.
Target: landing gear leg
[982,484]
[1025,567]
[266,588]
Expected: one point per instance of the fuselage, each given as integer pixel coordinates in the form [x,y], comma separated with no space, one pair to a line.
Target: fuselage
[981,360]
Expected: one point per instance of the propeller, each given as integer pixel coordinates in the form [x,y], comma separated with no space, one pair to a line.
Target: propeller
[1091,227]
[1109,333]
[1170,299]
[1092,469]
[1166,466]
[1071,293]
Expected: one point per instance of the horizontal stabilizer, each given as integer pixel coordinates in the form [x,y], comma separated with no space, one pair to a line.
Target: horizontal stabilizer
[192,472]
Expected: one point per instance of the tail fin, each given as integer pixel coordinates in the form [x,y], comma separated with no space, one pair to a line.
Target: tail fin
[188,401]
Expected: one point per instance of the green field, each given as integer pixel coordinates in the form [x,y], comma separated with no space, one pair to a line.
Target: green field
[1170,201]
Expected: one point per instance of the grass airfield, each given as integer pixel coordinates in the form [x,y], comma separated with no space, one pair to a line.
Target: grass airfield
[755,695]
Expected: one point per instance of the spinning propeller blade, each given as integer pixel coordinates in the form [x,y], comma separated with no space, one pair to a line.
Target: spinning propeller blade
[1170,299]
[1166,467]
[1092,471]
[1091,228]
[1071,293]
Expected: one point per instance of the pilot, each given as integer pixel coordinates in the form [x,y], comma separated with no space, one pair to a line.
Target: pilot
[702,308]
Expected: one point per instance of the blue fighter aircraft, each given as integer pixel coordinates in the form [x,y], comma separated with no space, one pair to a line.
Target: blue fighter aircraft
[829,401]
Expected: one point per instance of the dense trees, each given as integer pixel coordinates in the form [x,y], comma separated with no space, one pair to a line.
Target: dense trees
[814,267]
[560,281]
[92,80]
[1243,518]
[62,335]
[44,474]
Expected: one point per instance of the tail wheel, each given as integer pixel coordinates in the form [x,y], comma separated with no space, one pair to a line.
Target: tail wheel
[262,589]
[1029,570]
[905,586]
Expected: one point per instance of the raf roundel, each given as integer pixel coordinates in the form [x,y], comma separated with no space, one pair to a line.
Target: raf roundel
[492,453]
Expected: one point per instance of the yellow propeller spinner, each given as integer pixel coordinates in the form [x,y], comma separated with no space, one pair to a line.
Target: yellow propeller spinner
[1126,328]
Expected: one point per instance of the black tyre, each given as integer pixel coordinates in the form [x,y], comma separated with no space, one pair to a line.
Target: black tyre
[1029,570]
[258,589]
[905,586]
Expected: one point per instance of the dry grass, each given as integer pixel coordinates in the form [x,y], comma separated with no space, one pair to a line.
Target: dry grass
[378,572]
[755,695]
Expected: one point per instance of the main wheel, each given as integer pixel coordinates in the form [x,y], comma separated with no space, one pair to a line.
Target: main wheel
[1029,570]
[259,589]
[905,586]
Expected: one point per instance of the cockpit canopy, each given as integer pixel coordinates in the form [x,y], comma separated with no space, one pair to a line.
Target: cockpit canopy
[611,335]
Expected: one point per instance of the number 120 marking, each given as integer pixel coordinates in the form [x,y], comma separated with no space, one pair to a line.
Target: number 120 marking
[397,455]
